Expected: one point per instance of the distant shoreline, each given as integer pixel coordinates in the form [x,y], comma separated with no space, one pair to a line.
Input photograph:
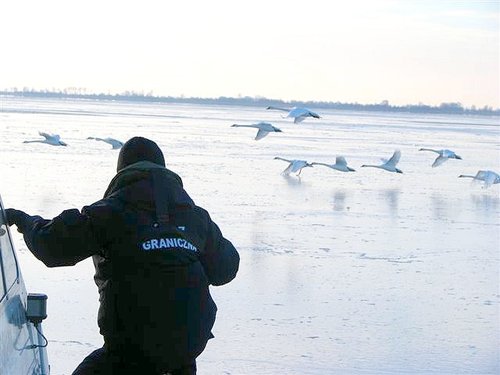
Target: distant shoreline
[444,108]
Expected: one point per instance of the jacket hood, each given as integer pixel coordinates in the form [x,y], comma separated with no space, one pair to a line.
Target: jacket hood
[138,149]
[134,185]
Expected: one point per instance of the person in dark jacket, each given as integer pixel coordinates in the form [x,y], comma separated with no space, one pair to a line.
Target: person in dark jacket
[155,254]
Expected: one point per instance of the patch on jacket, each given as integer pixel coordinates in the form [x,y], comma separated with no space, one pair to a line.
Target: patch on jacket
[167,243]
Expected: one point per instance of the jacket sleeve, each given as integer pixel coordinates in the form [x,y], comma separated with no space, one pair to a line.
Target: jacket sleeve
[219,258]
[63,241]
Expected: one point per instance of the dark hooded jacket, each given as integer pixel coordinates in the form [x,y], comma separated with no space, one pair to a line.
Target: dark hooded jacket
[155,253]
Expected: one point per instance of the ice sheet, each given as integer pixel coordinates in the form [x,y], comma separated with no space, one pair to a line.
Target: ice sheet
[355,273]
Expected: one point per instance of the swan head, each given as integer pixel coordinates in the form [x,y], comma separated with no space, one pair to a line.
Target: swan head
[398,170]
[62,143]
[458,157]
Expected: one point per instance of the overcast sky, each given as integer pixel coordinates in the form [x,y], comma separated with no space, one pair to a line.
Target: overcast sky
[405,51]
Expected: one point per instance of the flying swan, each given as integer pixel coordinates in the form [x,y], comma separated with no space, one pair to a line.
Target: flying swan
[340,165]
[443,155]
[298,114]
[488,177]
[50,139]
[115,144]
[264,129]
[389,165]
[294,166]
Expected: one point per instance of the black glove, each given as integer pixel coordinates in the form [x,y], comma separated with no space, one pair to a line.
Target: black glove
[16,217]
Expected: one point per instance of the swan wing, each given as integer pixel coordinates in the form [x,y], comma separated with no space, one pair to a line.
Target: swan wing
[288,169]
[439,160]
[481,175]
[115,143]
[261,134]
[394,159]
[340,160]
[48,136]
[297,165]
[298,119]
[489,179]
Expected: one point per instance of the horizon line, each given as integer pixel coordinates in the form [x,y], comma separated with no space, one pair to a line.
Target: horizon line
[449,107]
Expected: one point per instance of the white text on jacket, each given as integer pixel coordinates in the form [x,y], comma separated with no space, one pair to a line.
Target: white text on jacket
[167,243]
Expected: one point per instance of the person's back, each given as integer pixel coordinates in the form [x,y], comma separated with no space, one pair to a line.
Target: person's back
[155,254]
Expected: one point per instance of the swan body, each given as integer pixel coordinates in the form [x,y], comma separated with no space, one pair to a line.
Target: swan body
[389,165]
[294,166]
[340,165]
[264,129]
[50,139]
[298,114]
[115,144]
[443,155]
[489,177]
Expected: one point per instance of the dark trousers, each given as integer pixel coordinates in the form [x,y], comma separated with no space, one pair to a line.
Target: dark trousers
[102,362]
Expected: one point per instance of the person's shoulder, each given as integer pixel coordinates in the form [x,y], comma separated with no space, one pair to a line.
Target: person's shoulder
[102,207]
[200,210]
[204,215]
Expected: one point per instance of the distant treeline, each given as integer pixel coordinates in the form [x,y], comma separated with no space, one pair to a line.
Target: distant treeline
[445,108]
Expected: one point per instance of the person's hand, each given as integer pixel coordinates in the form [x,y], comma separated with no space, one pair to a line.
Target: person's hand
[14,216]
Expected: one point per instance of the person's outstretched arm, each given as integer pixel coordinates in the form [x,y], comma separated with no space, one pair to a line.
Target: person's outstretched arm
[62,241]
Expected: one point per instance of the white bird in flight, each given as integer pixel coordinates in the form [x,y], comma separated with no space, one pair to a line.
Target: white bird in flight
[298,114]
[489,177]
[115,143]
[389,165]
[443,155]
[340,165]
[51,139]
[264,129]
[294,166]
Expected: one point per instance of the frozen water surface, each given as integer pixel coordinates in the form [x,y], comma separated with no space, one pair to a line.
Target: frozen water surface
[341,273]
